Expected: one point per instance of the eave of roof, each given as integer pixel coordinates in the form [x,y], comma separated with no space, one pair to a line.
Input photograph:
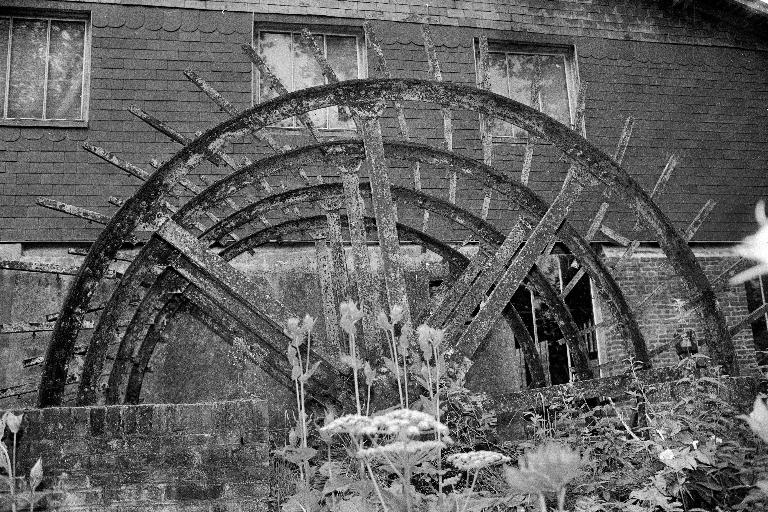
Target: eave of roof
[734,12]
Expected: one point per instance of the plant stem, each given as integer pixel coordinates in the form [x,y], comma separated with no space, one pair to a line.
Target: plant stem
[330,474]
[13,476]
[376,486]
[406,487]
[542,503]
[368,401]
[298,407]
[393,349]
[405,379]
[436,355]
[471,490]
[353,353]
[561,500]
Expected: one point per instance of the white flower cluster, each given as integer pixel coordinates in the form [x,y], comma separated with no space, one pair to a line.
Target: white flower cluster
[401,448]
[476,460]
[409,422]
[401,422]
[353,424]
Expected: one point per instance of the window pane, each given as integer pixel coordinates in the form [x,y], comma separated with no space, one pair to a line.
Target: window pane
[307,73]
[521,69]
[275,49]
[5,25]
[65,70]
[520,76]
[497,72]
[25,91]
[554,89]
[342,57]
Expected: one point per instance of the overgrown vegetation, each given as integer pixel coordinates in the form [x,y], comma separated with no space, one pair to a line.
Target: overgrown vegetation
[437,448]
[22,493]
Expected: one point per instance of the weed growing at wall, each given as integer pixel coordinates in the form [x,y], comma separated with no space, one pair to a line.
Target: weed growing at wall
[436,449]
[22,492]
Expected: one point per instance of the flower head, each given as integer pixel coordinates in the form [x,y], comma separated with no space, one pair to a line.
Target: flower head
[407,447]
[547,469]
[754,247]
[308,324]
[758,418]
[12,421]
[382,321]
[396,314]
[350,314]
[430,335]
[476,460]
[293,330]
[407,423]
[353,424]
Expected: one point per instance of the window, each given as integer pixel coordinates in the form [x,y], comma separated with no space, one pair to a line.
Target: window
[512,70]
[757,295]
[43,68]
[297,69]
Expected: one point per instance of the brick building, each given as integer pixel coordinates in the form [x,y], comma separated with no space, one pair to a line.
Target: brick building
[694,75]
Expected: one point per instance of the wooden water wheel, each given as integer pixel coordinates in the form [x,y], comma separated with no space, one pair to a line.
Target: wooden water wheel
[196,231]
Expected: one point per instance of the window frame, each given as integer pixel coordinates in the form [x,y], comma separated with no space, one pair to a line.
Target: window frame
[761,283]
[572,79]
[49,16]
[317,30]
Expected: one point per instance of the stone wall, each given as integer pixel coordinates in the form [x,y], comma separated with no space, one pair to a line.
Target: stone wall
[207,456]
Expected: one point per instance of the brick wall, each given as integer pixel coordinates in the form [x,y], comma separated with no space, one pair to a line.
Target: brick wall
[661,318]
[208,456]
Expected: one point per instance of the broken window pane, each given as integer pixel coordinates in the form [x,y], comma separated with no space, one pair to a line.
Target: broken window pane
[27,77]
[65,70]
[497,71]
[553,100]
[307,73]
[297,69]
[5,27]
[274,47]
[342,56]
[512,75]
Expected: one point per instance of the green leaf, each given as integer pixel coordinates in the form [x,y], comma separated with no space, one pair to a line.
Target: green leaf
[5,460]
[36,474]
[339,483]
[355,504]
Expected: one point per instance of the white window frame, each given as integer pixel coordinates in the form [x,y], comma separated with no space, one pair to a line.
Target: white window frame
[572,80]
[362,64]
[86,79]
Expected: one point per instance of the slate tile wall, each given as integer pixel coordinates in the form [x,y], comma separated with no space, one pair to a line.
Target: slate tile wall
[695,86]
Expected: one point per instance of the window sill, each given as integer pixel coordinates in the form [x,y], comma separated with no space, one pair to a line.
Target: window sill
[44,123]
